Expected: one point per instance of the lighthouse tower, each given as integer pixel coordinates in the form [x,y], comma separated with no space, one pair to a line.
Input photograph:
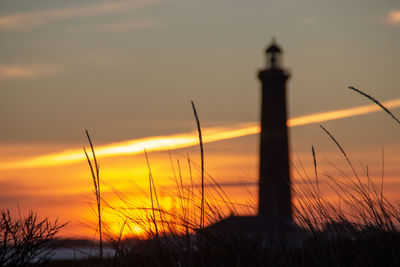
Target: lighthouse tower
[273,222]
[274,184]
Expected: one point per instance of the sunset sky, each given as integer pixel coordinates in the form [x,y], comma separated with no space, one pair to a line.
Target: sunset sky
[127,70]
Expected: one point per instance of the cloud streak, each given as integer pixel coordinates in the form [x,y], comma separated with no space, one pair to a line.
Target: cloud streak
[128,25]
[119,26]
[393,17]
[27,71]
[177,141]
[26,20]
[308,21]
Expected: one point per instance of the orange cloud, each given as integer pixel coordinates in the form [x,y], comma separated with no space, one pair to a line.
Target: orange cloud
[128,25]
[308,21]
[26,20]
[393,17]
[27,71]
[177,141]
[342,113]
[118,26]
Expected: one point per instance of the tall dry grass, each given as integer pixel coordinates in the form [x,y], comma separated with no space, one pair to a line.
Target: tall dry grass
[361,230]
[95,172]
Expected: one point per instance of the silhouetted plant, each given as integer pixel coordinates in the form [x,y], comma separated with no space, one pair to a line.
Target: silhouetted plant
[26,241]
[95,172]
[202,166]
[362,230]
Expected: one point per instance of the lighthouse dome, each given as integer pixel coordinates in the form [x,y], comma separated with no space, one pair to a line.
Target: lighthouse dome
[273,48]
[274,54]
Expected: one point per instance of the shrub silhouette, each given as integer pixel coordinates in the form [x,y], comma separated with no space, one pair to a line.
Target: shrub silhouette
[26,240]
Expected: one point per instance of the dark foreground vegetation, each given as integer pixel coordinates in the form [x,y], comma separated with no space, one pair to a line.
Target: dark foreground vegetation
[362,229]
[26,240]
[364,235]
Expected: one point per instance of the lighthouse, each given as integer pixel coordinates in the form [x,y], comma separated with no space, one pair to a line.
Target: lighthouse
[273,223]
[274,175]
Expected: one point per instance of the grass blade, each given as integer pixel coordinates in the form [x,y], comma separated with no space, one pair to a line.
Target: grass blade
[202,166]
[376,102]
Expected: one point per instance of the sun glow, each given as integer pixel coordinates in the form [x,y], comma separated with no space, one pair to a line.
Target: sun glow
[177,141]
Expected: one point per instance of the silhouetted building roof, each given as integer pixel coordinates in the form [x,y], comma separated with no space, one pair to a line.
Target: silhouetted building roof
[253,224]
[268,229]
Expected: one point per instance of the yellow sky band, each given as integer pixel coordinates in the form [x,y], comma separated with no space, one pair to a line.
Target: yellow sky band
[177,141]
